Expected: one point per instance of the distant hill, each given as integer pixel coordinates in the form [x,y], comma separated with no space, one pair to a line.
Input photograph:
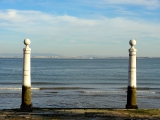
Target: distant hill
[11,55]
[32,54]
[44,54]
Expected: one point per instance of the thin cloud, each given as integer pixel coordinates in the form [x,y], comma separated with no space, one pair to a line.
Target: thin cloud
[147,3]
[71,31]
[66,28]
[123,11]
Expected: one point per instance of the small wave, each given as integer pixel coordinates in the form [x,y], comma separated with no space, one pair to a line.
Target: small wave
[105,83]
[49,83]
[118,92]
[35,88]
[62,88]
[146,91]
[149,83]
[103,91]
[17,88]
[10,83]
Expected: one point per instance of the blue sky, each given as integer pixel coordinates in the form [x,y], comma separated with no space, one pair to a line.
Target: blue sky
[80,27]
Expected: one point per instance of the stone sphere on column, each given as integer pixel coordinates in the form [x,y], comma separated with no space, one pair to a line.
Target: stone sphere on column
[27,41]
[132,42]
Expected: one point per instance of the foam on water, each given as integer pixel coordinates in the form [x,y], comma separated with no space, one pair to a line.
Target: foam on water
[108,92]
[111,92]
[146,92]
[18,88]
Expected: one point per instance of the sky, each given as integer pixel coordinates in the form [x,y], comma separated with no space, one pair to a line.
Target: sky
[80,27]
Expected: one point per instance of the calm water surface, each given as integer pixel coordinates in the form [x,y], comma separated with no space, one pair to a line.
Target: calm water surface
[92,83]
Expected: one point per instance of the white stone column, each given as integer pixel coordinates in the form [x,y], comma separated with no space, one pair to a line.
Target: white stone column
[26,83]
[131,91]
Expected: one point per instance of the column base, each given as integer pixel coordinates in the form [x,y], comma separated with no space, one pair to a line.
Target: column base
[27,108]
[26,104]
[131,107]
[131,98]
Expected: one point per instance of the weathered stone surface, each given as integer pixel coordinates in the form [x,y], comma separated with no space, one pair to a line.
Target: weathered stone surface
[80,114]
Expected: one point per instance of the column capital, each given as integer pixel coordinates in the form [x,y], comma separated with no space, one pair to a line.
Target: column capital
[27,42]
[132,43]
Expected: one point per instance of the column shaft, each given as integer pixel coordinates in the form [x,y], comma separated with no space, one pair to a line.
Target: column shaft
[26,83]
[131,90]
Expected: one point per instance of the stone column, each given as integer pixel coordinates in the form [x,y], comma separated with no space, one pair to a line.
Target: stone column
[131,91]
[26,83]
